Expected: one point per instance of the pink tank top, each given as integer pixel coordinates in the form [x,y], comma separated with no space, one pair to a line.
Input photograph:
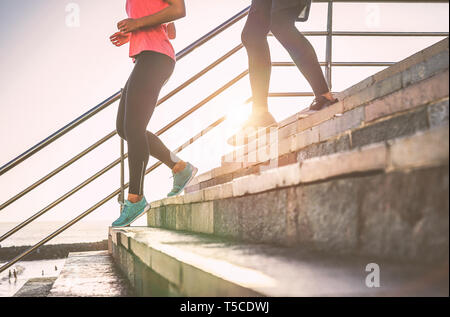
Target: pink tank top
[149,39]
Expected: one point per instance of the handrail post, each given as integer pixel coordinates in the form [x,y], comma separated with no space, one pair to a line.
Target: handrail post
[329,45]
[122,173]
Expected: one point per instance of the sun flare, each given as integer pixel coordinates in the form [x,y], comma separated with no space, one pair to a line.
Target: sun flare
[236,116]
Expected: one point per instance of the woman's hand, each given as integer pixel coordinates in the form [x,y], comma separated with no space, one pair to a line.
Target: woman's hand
[119,38]
[128,25]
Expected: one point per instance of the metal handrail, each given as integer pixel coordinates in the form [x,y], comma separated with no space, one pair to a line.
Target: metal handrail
[201,73]
[338,64]
[371,33]
[204,101]
[329,44]
[61,199]
[328,63]
[113,133]
[393,1]
[57,170]
[409,34]
[104,200]
[116,162]
[47,141]
[101,106]
[172,93]
[224,26]
[183,53]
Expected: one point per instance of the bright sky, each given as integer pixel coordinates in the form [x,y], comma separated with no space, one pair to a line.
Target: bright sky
[51,73]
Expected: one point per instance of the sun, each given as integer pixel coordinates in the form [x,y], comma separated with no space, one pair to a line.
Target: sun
[237,115]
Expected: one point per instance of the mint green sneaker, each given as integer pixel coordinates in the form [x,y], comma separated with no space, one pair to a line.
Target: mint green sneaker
[182,179]
[131,212]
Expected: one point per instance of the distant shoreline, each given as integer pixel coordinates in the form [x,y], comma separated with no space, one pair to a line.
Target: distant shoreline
[51,251]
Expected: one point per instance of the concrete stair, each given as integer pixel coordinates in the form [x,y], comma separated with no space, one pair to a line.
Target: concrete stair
[401,100]
[90,274]
[385,200]
[365,180]
[36,287]
[163,262]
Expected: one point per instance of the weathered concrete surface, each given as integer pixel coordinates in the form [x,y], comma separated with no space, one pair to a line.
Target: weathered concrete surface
[335,136]
[406,98]
[372,158]
[325,148]
[426,91]
[387,137]
[427,149]
[421,150]
[401,216]
[392,128]
[324,216]
[438,114]
[90,274]
[326,203]
[36,287]
[198,265]
[413,227]
[418,68]
[360,214]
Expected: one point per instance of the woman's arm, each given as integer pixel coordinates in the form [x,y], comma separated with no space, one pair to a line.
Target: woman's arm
[176,10]
[172,31]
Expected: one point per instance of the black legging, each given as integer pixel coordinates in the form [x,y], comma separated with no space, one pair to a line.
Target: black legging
[279,17]
[138,101]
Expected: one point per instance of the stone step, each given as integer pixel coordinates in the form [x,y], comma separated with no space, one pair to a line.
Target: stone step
[407,97]
[36,287]
[160,262]
[386,200]
[90,274]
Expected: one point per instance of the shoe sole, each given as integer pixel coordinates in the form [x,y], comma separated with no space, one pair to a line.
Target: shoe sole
[326,105]
[194,172]
[146,208]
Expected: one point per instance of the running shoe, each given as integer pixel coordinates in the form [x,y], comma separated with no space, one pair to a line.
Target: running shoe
[131,212]
[182,179]
[321,102]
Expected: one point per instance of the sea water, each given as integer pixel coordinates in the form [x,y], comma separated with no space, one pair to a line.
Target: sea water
[26,270]
[34,232]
